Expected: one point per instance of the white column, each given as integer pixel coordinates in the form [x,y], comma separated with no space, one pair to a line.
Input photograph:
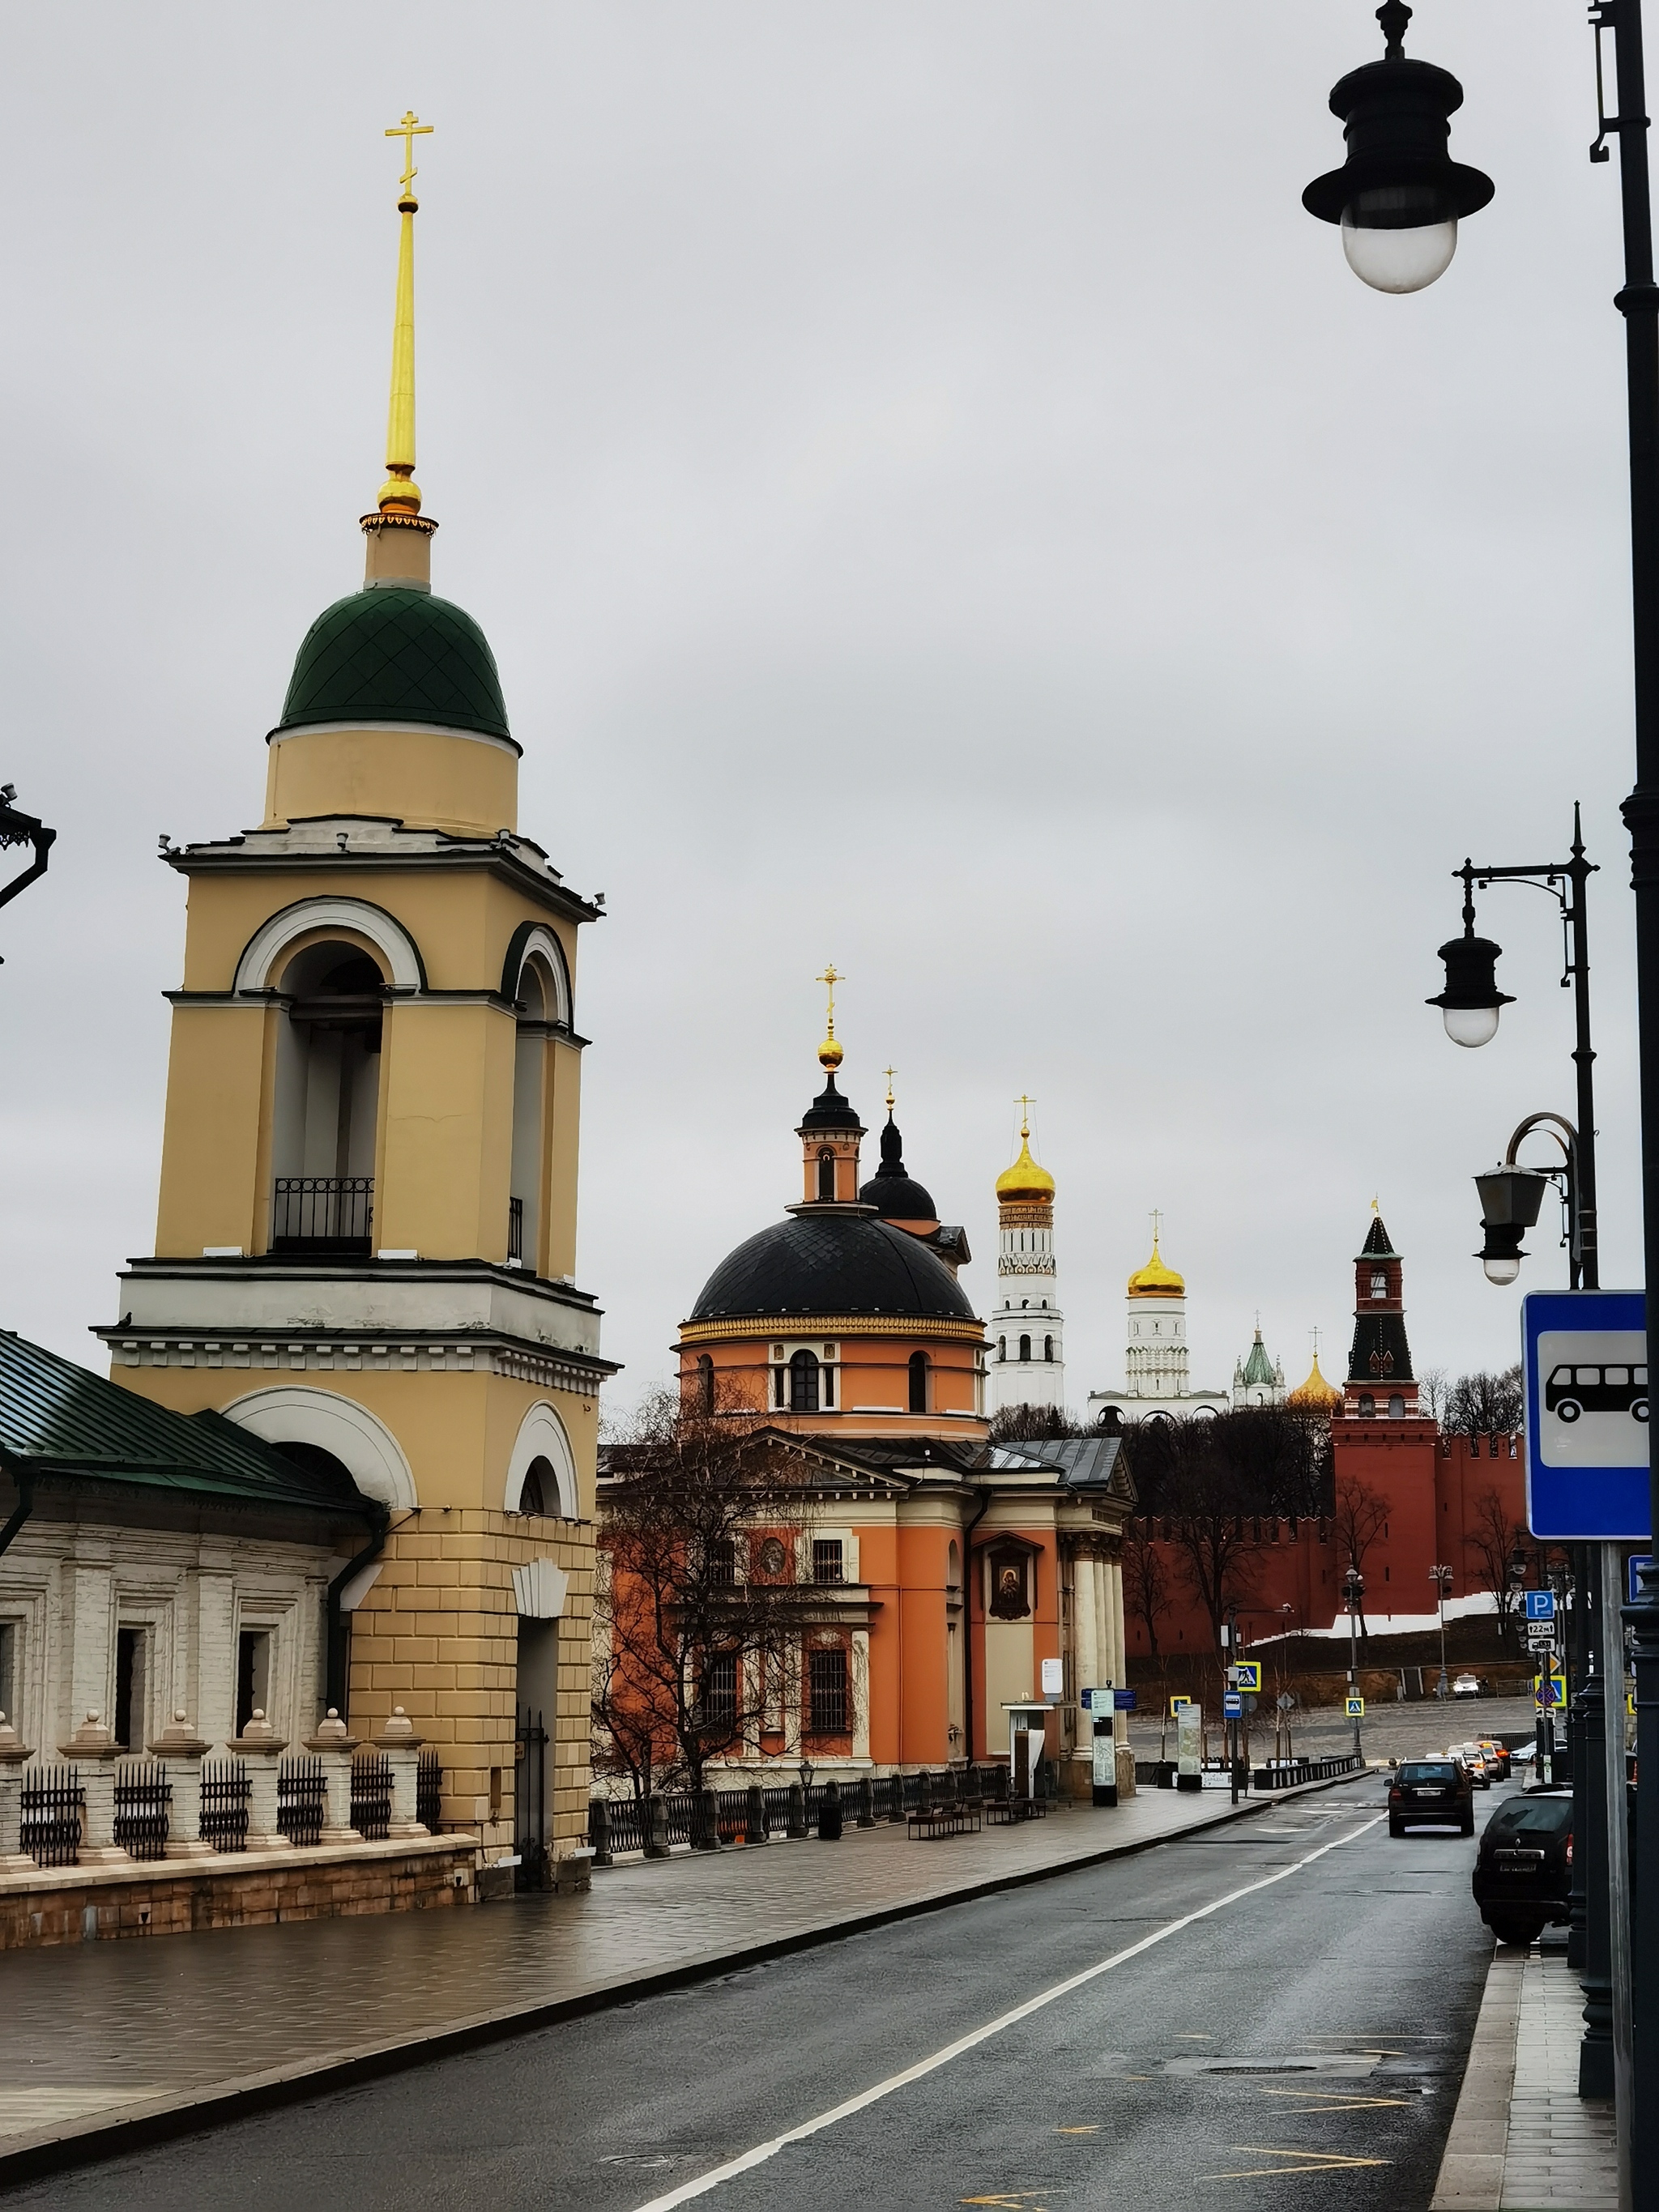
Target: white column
[1085,1627]
[860,1690]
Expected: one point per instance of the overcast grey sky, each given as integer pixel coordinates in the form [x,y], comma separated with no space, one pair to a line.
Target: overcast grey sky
[938,503]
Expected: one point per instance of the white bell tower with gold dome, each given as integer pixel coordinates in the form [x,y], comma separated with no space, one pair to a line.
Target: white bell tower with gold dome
[1156,1377]
[1028,1355]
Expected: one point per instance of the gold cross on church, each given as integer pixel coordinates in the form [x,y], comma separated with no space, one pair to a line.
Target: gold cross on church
[1157,1222]
[890,1073]
[1024,1105]
[832,978]
[408,130]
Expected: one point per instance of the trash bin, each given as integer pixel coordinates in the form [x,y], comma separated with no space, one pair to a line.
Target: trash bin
[829,1815]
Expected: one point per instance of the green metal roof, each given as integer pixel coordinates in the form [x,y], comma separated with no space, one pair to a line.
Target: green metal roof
[1258,1367]
[58,1419]
[395,655]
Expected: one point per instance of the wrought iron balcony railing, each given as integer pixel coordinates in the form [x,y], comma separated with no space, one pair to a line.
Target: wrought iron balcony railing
[322,1213]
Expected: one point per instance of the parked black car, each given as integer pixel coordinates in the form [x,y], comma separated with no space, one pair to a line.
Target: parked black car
[1523,1869]
[1431,1789]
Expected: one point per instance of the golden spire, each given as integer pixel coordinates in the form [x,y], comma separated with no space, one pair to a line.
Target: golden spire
[890,1073]
[830,1053]
[400,493]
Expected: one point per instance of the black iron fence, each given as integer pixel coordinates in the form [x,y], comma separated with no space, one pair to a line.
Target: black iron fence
[226,1789]
[429,1789]
[1283,1774]
[301,1800]
[682,1816]
[144,1799]
[371,1796]
[317,1213]
[53,1801]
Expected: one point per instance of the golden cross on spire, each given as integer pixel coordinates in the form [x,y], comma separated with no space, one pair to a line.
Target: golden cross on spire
[408,130]
[831,978]
[1024,1105]
[1157,1223]
[890,1073]
[830,1053]
[1314,1333]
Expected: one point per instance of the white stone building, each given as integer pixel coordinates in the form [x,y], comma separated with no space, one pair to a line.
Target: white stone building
[1156,1377]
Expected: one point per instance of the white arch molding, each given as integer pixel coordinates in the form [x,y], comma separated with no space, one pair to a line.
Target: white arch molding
[539,944]
[267,945]
[293,1414]
[543,1435]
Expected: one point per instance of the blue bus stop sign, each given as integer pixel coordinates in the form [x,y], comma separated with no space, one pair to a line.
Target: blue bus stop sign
[1585,1370]
[1232,1704]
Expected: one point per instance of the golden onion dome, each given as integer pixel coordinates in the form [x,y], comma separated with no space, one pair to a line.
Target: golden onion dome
[830,1055]
[1155,1280]
[1025,1181]
[1316,1391]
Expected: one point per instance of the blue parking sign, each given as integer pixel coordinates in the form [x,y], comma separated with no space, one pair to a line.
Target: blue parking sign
[1584,1371]
[1540,1605]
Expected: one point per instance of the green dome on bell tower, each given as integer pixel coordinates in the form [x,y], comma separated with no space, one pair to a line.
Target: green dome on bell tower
[395,653]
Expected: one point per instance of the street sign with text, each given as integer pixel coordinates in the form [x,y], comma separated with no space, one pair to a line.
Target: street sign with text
[1540,1604]
[1585,1370]
[1232,1704]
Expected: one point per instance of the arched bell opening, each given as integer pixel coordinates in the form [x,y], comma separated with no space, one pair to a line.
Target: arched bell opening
[536,1000]
[327,1100]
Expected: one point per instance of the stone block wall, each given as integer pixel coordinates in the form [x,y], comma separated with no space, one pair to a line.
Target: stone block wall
[438,1634]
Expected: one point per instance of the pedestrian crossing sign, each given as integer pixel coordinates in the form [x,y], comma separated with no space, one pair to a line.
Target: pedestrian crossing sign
[1356,1709]
[1248,1675]
[1178,1705]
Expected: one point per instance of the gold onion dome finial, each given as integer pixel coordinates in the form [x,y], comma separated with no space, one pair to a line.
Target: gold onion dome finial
[1026,1180]
[1316,1391]
[400,493]
[1155,1280]
[830,1055]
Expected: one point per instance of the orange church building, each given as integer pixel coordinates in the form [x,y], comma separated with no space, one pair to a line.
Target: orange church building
[972,1591]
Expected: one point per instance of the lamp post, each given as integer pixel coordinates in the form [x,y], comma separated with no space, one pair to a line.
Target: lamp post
[1442,1579]
[1353,1589]
[1399,197]
[17,828]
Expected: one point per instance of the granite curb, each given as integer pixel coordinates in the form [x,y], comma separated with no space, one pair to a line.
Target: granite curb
[1471,2178]
[135,2126]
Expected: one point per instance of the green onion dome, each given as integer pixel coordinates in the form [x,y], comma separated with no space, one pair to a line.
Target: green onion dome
[393,654]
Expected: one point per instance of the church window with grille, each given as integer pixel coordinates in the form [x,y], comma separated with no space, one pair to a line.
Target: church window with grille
[720,1687]
[804,1383]
[826,1564]
[826,1173]
[827,1689]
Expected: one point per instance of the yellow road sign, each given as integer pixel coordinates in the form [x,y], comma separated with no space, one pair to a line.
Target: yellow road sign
[1248,1672]
[1356,1709]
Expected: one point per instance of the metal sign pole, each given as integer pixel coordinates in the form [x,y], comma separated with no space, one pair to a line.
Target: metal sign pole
[1613,1693]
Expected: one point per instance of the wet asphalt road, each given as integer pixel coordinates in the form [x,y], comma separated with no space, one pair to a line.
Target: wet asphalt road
[1316,2027]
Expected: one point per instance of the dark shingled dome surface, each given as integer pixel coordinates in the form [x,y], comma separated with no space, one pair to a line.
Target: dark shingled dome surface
[832,1263]
[395,655]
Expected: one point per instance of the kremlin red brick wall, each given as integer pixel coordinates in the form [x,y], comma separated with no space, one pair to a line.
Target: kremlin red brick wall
[1446,1498]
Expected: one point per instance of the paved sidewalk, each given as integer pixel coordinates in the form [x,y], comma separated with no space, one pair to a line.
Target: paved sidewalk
[123,2040]
[1521,2135]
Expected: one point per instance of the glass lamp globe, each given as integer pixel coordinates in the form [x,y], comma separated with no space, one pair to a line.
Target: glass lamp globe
[1501,1268]
[1399,238]
[1471,1025]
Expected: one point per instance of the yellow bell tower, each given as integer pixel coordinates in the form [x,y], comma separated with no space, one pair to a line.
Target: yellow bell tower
[366,1240]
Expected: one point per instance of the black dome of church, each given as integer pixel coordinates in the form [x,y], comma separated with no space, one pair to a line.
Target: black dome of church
[850,1307]
[831,1263]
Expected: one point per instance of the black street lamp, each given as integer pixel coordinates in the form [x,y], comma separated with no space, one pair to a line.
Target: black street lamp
[1399,195]
[1353,1590]
[17,828]
[1470,1004]
[1392,176]
[1442,1579]
[1511,1196]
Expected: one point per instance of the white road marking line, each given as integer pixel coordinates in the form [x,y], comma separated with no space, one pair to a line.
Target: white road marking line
[761,2151]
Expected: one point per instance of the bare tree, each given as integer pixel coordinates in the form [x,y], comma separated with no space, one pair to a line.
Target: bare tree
[1484,1404]
[1361,1516]
[1145,1579]
[700,1609]
[1432,1387]
[1493,1538]
[1028,1424]
[1213,1477]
